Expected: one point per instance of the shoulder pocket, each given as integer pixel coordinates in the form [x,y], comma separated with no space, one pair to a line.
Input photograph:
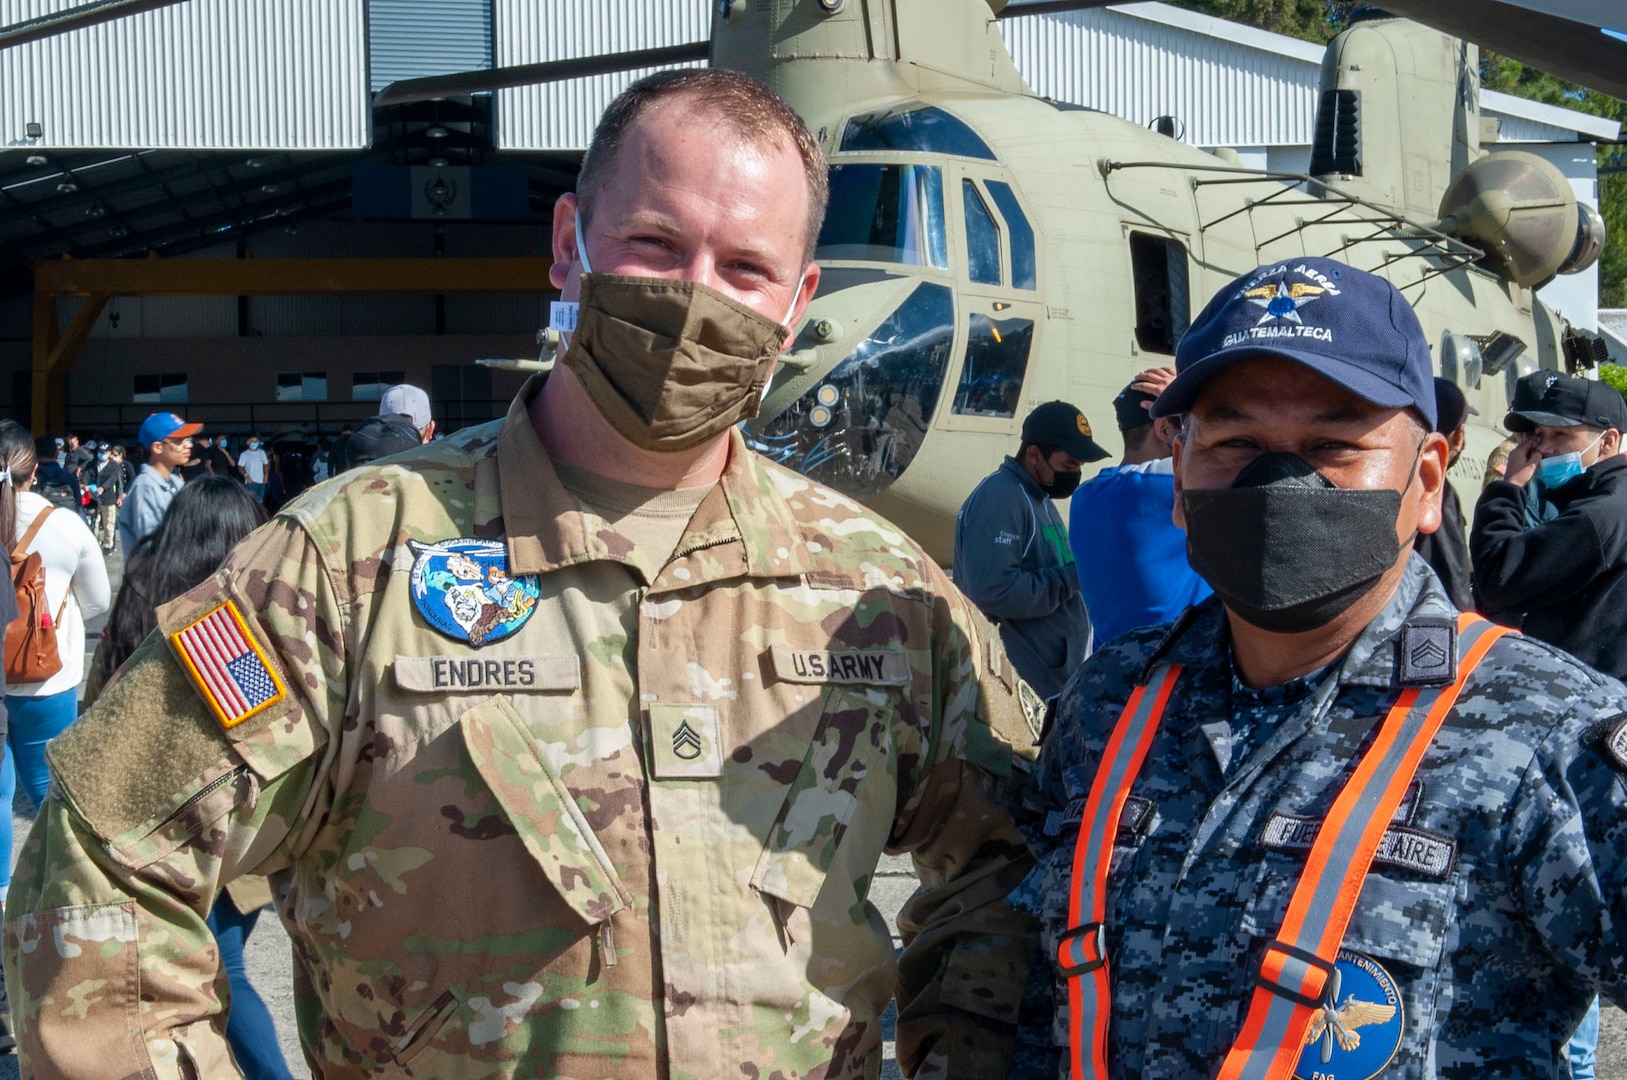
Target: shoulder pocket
[541,809]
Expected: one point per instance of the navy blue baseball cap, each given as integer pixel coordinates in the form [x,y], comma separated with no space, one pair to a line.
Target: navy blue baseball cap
[1351,327]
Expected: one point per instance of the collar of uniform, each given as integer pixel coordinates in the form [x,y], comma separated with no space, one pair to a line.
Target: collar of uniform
[546,528]
[544,524]
[759,504]
[1203,638]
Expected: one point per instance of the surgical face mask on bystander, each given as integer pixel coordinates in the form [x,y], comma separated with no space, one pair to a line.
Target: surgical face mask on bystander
[1284,548]
[1563,468]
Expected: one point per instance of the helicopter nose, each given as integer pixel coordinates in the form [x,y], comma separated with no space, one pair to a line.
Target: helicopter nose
[851,412]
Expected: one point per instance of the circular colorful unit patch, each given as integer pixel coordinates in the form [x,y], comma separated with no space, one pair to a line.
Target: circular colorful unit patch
[462,588]
[1358,1030]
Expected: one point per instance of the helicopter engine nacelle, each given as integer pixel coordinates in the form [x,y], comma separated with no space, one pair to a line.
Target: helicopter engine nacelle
[1521,211]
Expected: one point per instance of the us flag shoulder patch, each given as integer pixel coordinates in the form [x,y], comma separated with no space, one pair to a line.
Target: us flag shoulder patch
[227,665]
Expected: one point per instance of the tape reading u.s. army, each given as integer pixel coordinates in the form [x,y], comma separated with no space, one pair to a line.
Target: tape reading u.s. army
[232,673]
[454,673]
[877,667]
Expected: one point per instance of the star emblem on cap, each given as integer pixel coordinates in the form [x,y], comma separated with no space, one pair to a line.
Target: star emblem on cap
[1283,301]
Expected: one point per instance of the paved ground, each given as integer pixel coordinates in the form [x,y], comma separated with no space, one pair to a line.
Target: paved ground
[269,960]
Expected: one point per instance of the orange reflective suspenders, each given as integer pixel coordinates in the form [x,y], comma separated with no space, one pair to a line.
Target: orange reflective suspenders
[1296,971]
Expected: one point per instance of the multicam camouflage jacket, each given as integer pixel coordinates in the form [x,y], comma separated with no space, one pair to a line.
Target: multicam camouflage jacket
[1494,910]
[629,833]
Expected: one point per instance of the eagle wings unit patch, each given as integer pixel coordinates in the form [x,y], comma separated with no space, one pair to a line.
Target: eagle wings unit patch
[227,665]
[1356,1032]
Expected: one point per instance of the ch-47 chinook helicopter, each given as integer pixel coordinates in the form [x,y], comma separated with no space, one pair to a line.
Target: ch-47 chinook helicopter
[987,249]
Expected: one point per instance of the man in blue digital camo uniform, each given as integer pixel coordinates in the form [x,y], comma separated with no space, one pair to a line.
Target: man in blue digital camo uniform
[1491,911]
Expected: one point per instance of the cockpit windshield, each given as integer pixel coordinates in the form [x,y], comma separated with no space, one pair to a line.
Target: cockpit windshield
[859,427]
[885,213]
[921,128]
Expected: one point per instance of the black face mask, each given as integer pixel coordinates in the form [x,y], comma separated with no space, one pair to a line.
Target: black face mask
[1287,550]
[1062,484]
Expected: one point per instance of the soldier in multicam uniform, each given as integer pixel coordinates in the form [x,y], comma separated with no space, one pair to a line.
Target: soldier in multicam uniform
[1496,902]
[556,774]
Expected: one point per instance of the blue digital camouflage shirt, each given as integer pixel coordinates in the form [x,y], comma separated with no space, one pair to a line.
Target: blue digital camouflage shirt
[1495,909]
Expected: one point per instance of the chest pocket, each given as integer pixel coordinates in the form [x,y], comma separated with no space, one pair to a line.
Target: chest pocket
[854,738]
[542,811]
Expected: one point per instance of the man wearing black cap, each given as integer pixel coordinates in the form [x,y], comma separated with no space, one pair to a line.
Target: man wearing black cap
[1446,550]
[1011,550]
[1565,578]
[1323,824]
[1131,558]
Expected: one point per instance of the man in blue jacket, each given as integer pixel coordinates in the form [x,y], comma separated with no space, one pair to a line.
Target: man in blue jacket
[1011,550]
[1130,554]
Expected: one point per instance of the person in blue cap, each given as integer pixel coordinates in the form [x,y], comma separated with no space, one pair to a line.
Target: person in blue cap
[1222,910]
[168,442]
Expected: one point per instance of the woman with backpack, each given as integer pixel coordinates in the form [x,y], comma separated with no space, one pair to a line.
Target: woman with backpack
[61,582]
[199,528]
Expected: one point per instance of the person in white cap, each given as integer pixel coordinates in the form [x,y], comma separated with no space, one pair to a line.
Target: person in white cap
[405,399]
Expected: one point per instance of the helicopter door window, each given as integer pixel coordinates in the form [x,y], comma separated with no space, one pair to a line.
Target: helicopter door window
[1023,261]
[885,213]
[1162,293]
[922,128]
[991,379]
[982,238]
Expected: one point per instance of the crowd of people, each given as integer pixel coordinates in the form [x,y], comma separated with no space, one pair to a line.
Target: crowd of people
[571,744]
[69,504]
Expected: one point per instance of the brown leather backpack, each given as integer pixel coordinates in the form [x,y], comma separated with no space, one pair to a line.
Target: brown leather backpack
[31,650]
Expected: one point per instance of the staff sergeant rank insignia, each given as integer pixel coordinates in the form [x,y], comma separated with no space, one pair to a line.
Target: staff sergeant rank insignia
[1357,1031]
[462,588]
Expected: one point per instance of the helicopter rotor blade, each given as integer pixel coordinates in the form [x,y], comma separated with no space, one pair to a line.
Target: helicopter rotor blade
[463,83]
[1545,39]
[75,18]
[1050,7]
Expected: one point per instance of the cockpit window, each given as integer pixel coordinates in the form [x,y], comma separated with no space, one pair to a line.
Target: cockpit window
[1022,234]
[982,238]
[922,128]
[885,213]
[859,427]
[991,380]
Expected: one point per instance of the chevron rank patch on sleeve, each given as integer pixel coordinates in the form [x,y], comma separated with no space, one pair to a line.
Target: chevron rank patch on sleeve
[227,665]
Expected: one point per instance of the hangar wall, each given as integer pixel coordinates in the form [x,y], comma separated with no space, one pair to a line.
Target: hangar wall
[207,74]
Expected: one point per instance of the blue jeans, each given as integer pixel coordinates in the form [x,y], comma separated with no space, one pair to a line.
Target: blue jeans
[249,1028]
[258,491]
[31,723]
[1583,1048]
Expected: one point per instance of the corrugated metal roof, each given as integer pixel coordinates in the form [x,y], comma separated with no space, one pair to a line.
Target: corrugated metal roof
[1226,93]
[562,116]
[244,74]
[410,39]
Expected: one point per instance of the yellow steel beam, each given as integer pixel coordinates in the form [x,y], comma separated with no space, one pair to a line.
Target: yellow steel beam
[289,277]
[51,364]
[45,341]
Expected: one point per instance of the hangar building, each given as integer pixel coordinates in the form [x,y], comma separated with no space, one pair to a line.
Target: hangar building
[222,138]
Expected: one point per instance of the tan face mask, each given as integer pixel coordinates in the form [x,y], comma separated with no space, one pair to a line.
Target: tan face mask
[669,363]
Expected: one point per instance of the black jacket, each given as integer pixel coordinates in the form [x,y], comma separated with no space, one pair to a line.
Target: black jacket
[1446,550]
[1567,577]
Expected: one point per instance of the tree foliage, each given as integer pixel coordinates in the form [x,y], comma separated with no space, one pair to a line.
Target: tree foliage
[1320,20]
[1313,20]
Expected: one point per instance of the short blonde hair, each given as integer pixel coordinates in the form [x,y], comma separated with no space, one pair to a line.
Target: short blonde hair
[738,102]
